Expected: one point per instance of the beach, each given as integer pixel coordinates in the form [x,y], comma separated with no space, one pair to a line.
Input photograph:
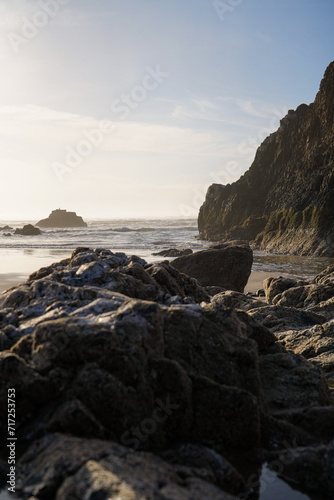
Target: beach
[22,255]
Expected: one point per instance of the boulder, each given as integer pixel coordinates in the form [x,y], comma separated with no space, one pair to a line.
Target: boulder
[62,218]
[28,230]
[276,286]
[228,267]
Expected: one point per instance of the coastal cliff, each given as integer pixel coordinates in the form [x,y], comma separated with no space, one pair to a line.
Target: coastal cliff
[285,201]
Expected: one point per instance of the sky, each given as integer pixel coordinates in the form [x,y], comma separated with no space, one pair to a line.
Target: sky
[132,108]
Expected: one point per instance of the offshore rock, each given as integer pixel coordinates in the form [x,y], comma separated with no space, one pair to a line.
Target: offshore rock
[285,201]
[62,218]
[226,266]
[28,230]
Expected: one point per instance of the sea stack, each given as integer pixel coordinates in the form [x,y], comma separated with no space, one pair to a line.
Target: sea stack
[285,201]
[62,218]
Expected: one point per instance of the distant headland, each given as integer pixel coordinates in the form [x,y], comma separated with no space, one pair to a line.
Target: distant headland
[62,218]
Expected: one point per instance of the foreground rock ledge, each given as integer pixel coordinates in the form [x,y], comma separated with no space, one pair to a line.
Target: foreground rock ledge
[125,370]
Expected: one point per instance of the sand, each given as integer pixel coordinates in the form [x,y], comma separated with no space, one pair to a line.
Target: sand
[11,279]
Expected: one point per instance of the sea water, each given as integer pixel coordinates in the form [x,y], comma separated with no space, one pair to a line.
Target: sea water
[22,255]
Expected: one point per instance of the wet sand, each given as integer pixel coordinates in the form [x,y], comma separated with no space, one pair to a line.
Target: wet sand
[11,279]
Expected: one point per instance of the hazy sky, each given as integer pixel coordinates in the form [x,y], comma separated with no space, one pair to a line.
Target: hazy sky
[122,108]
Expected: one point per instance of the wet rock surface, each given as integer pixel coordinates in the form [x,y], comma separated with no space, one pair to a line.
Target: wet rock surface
[133,382]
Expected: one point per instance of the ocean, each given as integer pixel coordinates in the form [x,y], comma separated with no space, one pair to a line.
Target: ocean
[22,255]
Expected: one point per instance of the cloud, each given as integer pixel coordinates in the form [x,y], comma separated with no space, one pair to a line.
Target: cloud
[44,126]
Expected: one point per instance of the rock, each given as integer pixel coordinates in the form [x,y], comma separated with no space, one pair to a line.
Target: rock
[174,252]
[315,420]
[280,319]
[28,230]
[284,203]
[316,296]
[62,218]
[7,234]
[315,344]
[288,382]
[228,267]
[233,413]
[208,464]
[311,468]
[237,300]
[326,277]
[78,468]
[214,290]
[6,228]
[150,382]
[276,286]
[277,433]
[233,357]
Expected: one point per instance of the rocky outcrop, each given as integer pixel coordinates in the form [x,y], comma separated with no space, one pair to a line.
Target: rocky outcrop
[62,218]
[103,470]
[174,252]
[285,201]
[28,230]
[226,266]
[312,468]
[132,382]
[314,301]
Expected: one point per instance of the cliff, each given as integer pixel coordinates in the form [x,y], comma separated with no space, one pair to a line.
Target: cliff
[285,201]
[62,218]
